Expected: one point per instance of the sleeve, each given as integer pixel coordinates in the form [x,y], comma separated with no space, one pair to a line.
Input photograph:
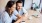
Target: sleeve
[15,12]
[24,11]
[0,17]
[5,18]
[14,17]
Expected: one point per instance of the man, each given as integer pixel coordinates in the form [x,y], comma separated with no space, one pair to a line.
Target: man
[22,12]
[20,9]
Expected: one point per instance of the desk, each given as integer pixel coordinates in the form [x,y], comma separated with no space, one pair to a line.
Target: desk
[34,20]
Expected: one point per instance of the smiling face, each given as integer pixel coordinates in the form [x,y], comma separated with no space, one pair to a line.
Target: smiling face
[13,7]
[19,6]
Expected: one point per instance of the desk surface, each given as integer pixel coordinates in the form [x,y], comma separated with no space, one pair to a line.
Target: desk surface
[34,20]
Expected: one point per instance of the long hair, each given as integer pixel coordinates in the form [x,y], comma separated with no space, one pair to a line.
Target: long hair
[9,5]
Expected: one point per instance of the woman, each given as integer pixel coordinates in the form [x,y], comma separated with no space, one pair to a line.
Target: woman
[9,13]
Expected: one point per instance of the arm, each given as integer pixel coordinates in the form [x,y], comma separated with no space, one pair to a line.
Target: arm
[16,14]
[5,18]
[19,20]
[25,12]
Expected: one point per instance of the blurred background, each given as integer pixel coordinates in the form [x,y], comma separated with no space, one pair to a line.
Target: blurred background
[27,4]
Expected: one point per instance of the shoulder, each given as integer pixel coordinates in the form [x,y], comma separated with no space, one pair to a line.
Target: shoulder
[24,10]
[15,12]
[4,13]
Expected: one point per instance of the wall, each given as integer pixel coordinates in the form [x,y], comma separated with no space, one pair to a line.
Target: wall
[36,1]
[27,4]
[3,4]
[2,7]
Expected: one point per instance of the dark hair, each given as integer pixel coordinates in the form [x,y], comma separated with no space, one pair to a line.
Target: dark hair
[19,2]
[9,4]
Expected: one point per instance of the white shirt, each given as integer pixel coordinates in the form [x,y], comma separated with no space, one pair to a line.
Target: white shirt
[22,11]
[0,17]
[7,19]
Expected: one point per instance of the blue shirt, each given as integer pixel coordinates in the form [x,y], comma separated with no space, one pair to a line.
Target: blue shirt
[0,17]
[22,11]
[7,19]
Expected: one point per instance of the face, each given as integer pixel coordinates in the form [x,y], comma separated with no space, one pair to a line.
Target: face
[13,7]
[19,6]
